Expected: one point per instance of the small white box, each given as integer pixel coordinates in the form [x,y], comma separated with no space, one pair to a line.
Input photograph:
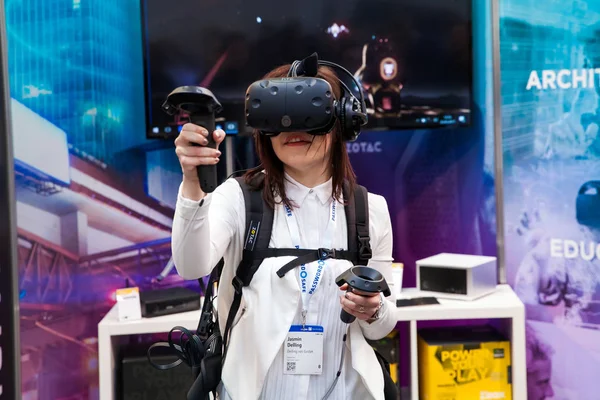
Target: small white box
[457,276]
[128,304]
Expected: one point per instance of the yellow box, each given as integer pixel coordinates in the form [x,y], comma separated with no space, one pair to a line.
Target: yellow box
[464,364]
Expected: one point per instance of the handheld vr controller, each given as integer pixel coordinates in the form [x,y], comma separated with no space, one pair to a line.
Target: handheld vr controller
[201,105]
[364,279]
[304,103]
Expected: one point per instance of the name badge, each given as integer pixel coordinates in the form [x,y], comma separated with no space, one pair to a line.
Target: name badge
[303,353]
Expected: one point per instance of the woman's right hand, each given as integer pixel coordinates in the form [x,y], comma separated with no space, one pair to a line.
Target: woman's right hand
[190,147]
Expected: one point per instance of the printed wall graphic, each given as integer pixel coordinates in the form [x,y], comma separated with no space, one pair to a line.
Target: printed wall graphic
[86,225]
[550,117]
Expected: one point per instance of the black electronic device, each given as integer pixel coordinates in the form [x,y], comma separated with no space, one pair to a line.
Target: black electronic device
[444,280]
[302,102]
[200,105]
[416,301]
[588,204]
[364,279]
[156,303]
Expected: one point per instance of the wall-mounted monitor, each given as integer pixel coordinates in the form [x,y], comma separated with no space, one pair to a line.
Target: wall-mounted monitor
[413,58]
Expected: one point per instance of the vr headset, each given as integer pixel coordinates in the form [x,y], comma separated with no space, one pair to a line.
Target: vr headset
[301,102]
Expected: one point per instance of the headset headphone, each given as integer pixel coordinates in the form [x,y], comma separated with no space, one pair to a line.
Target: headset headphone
[304,103]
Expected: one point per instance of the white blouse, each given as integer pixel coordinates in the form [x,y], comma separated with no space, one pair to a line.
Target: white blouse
[203,232]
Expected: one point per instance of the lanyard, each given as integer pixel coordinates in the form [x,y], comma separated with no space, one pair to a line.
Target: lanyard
[292,224]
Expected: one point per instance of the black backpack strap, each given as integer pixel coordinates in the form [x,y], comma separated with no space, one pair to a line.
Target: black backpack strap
[259,223]
[357,219]
[305,256]
[207,323]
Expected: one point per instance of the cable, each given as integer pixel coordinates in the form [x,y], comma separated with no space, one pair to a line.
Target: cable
[167,270]
[337,375]
[293,72]
[190,349]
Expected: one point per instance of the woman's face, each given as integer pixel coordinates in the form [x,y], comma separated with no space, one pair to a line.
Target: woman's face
[301,151]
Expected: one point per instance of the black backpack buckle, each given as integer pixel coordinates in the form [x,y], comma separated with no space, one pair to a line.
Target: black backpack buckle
[325,254]
[237,284]
[205,323]
[364,248]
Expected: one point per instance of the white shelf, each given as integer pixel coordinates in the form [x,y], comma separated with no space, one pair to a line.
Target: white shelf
[111,325]
[503,303]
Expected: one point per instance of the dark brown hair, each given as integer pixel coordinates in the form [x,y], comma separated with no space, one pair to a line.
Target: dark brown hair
[274,180]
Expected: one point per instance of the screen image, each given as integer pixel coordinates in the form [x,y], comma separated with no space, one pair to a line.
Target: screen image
[412,58]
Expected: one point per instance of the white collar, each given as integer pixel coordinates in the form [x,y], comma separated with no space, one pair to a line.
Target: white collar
[297,192]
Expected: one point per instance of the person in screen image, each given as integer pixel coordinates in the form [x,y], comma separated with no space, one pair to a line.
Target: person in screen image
[575,134]
[590,119]
[539,367]
[381,77]
[303,177]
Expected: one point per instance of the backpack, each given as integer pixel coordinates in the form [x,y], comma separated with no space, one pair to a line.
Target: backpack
[259,223]
[206,350]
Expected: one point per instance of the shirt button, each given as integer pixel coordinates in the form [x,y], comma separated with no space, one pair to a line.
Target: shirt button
[310,191]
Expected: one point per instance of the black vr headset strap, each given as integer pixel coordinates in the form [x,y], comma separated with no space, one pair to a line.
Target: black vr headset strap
[259,223]
[357,219]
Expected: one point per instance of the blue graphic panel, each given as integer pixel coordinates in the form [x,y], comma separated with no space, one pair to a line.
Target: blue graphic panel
[78,64]
[550,64]
[77,84]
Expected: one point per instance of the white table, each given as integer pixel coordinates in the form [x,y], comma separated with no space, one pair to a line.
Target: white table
[501,304]
[110,329]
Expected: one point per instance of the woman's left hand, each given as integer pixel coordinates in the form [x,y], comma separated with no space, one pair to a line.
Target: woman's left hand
[360,304]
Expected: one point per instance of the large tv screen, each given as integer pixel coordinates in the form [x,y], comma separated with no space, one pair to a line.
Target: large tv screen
[411,57]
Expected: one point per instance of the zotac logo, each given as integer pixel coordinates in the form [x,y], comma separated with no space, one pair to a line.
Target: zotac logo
[252,235]
[364,147]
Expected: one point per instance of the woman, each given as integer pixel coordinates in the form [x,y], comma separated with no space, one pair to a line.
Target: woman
[303,176]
